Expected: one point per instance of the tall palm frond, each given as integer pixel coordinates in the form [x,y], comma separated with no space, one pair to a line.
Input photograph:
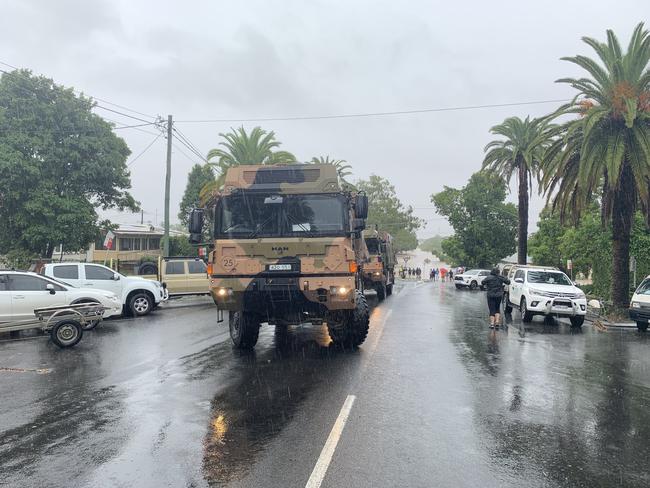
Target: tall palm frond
[605,150]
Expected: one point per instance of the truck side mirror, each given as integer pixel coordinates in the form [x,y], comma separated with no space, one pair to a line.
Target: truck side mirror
[196,224]
[361,206]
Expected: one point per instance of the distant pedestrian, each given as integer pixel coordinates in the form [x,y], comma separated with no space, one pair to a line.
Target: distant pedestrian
[451,275]
[418,273]
[494,286]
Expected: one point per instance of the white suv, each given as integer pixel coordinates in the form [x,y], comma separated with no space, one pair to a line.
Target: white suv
[139,296]
[545,291]
[472,278]
[22,292]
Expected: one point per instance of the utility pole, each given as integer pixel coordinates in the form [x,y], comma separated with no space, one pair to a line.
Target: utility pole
[167,184]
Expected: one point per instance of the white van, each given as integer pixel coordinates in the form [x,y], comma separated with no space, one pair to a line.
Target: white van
[640,305]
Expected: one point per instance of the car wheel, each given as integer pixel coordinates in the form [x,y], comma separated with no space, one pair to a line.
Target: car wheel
[473,285]
[458,287]
[91,324]
[578,320]
[140,304]
[148,269]
[526,316]
[642,326]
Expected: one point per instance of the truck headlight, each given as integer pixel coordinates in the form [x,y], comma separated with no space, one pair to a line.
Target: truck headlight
[636,305]
[338,290]
[224,292]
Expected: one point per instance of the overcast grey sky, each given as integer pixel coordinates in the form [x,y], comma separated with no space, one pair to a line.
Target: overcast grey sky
[230,60]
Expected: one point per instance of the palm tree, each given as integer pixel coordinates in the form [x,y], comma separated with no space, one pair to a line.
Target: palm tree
[520,152]
[342,166]
[606,150]
[239,147]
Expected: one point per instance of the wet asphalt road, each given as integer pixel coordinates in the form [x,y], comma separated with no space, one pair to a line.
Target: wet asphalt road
[440,401]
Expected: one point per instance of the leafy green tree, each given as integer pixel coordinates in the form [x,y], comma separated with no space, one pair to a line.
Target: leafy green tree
[387,212]
[200,176]
[59,162]
[607,149]
[485,226]
[431,244]
[544,245]
[342,167]
[238,147]
[520,153]
[180,246]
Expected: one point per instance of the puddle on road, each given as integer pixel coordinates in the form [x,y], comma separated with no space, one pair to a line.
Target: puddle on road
[268,390]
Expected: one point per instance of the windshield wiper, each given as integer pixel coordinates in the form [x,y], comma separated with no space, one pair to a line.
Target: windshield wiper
[297,222]
[261,226]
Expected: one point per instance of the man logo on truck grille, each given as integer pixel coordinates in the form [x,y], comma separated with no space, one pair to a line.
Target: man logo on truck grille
[279,249]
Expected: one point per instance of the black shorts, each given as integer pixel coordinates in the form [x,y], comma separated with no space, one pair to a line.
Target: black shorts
[494,304]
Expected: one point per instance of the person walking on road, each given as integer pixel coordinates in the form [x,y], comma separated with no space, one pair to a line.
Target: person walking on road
[494,286]
[451,275]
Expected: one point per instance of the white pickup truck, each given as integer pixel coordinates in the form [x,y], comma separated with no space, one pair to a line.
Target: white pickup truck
[139,296]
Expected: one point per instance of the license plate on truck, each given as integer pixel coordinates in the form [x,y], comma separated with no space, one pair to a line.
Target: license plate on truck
[280,267]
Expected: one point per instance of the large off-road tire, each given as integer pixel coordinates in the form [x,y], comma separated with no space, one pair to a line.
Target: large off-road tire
[380,288]
[389,290]
[66,333]
[526,316]
[353,327]
[577,321]
[244,329]
[642,326]
[141,303]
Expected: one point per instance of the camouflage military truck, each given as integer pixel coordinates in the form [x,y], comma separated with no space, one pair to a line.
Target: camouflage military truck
[287,249]
[379,269]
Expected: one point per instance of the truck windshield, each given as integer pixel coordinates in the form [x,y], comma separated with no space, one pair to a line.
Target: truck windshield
[262,215]
[373,246]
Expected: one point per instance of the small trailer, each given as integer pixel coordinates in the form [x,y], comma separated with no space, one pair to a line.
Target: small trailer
[64,323]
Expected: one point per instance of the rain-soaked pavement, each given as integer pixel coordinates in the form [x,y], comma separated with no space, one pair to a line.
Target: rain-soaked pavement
[440,401]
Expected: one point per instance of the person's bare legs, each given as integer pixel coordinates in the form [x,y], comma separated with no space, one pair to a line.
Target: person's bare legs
[491,321]
[497,319]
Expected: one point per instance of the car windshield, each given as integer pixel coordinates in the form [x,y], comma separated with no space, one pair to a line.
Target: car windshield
[644,287]
[549,278]
[263,215]
[471,272]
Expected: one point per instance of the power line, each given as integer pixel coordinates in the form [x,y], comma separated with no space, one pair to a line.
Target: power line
[186,139]
[95,98]
[144,150]
[190,147]
[372,114]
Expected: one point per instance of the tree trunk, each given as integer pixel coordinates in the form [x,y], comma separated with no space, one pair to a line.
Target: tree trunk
[622,215]
[522,238]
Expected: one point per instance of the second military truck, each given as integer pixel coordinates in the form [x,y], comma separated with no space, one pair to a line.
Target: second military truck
[287,249]
[379,270]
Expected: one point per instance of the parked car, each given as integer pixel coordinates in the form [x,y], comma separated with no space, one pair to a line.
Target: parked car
[137,295]
[472,279]
[22,292]
[183,276]
[640,305]
[545,291]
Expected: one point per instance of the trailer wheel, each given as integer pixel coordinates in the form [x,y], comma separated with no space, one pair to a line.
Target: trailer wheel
[66,333]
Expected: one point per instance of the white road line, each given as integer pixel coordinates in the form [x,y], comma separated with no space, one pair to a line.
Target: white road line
[318,474]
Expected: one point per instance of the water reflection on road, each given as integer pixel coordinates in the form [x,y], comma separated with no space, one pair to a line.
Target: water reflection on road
[567,407]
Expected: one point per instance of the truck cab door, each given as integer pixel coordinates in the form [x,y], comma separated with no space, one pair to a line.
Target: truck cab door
[101,277]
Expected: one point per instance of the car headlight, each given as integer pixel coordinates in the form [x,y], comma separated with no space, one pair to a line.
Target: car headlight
[581,295]
[636,305]
[539,293]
